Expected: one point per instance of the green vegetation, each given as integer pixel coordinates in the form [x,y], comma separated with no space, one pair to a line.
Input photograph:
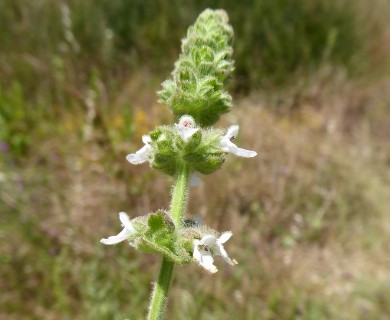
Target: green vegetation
[310,214]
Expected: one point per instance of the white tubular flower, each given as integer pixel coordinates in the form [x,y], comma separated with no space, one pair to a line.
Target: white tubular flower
[143,154]
[186,127]
[208,246]
[227,144]
[128,230]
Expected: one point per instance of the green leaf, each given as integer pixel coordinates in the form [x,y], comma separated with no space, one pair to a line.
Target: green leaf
[156,222]
[160,220]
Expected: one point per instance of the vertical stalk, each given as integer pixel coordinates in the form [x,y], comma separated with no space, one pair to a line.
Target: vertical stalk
[180,195]
[177,210]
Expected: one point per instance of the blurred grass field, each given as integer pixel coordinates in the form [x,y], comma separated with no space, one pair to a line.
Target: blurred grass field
[310,214]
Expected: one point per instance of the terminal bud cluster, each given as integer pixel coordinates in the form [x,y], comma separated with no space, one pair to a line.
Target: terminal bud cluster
[196,86]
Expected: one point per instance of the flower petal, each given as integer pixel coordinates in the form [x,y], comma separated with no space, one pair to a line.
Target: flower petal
[204,258]
[134,158]
[128,230]
[126,222]
[207,262]
[141,156]
[146,139]
[186,127]
[220,250]
[225,236]
[245,153]
[227,145]
[196,254]
[232,132]
[185,132]
[123,235]
[187,121]
[208,240]
[145,150]
[230,147]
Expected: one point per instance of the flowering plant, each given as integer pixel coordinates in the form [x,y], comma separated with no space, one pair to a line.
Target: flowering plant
[191,146]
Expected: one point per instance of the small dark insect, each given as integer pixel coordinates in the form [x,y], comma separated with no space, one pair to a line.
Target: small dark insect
[188,223]
[194,221]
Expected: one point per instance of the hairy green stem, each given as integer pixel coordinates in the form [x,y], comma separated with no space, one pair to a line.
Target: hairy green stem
[178,208]
[180,195]
[160,293]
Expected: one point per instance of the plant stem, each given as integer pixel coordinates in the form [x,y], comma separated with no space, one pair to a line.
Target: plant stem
[160,293]
[180,196]
[178,208]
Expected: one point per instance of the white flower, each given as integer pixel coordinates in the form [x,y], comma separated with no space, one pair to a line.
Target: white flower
[186,127]
[208,246]
[143,154]
[128,230]
[227,144]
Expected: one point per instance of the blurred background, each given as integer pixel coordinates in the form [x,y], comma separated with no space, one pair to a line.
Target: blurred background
[309,214]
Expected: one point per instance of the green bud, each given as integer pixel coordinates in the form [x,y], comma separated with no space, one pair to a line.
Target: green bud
[196,86]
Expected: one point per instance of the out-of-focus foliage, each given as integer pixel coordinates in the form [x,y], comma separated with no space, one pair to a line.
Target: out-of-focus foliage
[276,38]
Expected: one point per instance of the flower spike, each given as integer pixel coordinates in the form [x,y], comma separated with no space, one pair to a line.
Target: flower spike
[208,246]
[186,127]
[143,154]
[227,144]
[128,230]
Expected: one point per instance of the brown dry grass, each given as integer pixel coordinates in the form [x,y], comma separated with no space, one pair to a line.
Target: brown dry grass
[309,215]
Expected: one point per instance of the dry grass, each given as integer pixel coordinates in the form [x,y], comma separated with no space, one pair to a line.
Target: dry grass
[309,215]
